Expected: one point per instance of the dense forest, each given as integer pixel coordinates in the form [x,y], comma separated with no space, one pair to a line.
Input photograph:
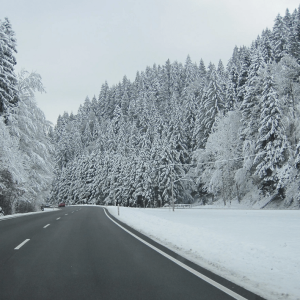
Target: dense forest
[215,132]
[189,131]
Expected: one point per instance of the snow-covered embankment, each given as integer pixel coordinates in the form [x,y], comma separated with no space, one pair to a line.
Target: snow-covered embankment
[256,249]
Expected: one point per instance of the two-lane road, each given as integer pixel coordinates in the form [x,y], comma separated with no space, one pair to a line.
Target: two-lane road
[79,253]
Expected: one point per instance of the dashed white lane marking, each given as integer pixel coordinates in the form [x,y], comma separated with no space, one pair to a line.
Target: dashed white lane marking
[58,218]
[22,244]
[72,212]
[203,277]
[46,226]
[66,214]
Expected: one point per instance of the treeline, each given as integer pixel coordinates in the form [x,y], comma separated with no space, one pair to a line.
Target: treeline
[26,151]
[210,132]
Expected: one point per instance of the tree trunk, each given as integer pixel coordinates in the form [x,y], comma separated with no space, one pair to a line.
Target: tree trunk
[223,190]
[238,193]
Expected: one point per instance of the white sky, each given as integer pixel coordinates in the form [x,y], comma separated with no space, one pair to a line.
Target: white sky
[76,45]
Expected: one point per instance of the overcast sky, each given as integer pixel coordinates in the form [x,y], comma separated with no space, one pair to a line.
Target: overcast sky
[77,45]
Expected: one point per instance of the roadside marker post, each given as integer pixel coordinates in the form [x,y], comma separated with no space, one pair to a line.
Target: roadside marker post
[118,209]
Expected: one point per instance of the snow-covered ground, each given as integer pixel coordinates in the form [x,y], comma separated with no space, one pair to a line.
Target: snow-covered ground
[27,214]
[256,249]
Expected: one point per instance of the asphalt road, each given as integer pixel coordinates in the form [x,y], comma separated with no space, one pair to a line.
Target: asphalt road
[84,255]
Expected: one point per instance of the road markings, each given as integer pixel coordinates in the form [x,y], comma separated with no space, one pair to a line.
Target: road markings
[66,214]
[203,277]
[58,218]
[46,226]
[72,212]
[22,244]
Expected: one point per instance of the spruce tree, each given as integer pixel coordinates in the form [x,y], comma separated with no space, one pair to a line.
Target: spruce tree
[243,75]
[271,145]
[8,80]
[267,50]
[250,107]
[280,35]
[213,102]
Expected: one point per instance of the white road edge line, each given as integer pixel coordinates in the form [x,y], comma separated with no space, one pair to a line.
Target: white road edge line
[22,244]
[58,218]
[203,277]
[46,226]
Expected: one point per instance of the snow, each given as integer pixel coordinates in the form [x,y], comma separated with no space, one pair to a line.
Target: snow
[256,249]
[26,214]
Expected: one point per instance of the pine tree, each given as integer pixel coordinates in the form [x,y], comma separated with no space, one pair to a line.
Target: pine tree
[271,144]
[202,69]
[94,106]
[266,46]
[231,88]
[243,75]
[188,77]
[166,83]
[176,71]
[103,99]
[211,68]
[213,103]
[8,80]
[279,38]
[250,107]
[125,102]
[294,47]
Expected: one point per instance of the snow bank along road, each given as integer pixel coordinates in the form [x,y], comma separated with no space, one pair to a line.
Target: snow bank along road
[80,253]
[256,249]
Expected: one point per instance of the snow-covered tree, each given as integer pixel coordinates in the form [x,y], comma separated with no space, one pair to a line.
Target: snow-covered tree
[29,125]
[8,80]
[271,144]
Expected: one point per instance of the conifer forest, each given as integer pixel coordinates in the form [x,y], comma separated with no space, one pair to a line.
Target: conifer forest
[183,130]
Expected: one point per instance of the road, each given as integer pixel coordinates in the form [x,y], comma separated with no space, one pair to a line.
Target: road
[82,254]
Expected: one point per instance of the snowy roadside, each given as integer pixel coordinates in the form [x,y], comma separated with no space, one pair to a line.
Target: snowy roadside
[27,214]
[256,249]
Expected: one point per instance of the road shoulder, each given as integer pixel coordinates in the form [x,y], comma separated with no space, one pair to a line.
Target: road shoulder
[220,280]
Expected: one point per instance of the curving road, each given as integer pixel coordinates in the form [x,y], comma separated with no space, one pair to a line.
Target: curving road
[79,253]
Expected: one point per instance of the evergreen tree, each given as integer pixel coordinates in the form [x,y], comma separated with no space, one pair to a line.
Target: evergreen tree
[279,38]
[271,144]
[266,46]
[202,69]
[250,106]
[213,102]
[8,80]
[243,75]
[231,88]
[103,99]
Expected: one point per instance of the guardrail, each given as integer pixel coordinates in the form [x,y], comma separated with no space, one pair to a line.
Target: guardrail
[179,206]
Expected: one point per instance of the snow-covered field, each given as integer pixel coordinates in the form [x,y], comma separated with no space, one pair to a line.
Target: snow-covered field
[256,249]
